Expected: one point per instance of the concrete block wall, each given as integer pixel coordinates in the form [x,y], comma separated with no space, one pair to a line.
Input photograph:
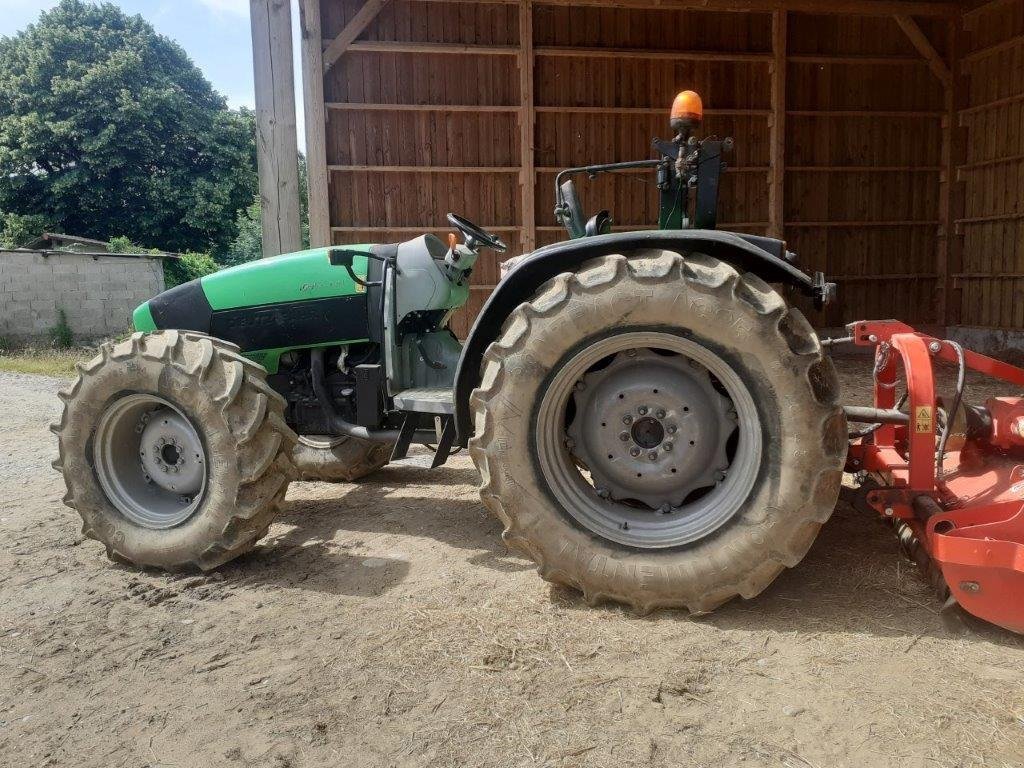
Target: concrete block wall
[97,293]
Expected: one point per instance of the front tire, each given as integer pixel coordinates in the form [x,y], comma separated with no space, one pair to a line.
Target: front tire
[174,450]
[338,459]
[720,515]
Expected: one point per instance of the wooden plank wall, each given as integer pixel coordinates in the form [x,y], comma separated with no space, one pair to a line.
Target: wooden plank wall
[990,281]
[864,151]
[424,116]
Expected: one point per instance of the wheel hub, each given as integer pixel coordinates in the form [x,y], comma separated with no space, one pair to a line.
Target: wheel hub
[648,432]
[171,453]
[651,428]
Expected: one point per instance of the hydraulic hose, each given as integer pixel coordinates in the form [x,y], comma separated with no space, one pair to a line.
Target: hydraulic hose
[338,423]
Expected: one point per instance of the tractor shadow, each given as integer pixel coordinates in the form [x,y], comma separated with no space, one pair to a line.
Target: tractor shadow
[395,501]
[854,580]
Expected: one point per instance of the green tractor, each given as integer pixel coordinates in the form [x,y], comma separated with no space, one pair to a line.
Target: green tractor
[652,422]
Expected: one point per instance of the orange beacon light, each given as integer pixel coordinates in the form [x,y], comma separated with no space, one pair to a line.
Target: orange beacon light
[687,112]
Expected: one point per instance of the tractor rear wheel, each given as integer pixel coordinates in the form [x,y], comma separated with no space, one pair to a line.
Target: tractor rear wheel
[174,450]
[333,459]
[659,430]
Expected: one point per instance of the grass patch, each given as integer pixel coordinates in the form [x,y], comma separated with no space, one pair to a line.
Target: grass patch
[44,361]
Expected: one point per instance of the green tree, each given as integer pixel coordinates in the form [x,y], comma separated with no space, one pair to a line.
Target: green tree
[248,243]
[106,126]
[17,229]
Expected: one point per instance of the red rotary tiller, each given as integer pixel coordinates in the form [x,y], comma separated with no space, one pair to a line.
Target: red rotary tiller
[949,475]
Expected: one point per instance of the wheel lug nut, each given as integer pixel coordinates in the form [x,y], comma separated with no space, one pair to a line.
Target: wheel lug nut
[653,455]
[667,447]
[660,414]
[627,419]
[634,452]
[671,430]
[642,410]
[624,437]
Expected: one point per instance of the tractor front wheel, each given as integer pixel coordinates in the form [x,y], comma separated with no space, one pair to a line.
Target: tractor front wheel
[659,430]
[174,450]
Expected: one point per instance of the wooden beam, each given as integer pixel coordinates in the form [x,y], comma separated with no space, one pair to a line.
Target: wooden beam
[626,111]
[870,114]
[947,240]
[592,52]
[527,120]
[777,126]
[352,30]
[357,106]
[992,50]
[1015,216]
[864,169]
[970,18]
[862,224]
[725,225]
[277,149]
[451,49]
[428,169]
[844,59]
[989,105]
[924,46]
[981,165]
[831,7]
[733,169]
[418,230]
[318,178]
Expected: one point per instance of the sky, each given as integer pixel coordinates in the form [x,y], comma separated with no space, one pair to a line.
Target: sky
[214,33]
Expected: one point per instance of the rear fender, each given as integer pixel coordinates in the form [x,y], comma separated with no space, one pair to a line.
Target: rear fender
[765,257]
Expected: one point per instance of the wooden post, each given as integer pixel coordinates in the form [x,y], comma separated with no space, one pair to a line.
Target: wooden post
[277,149]
[954,152]
[317,172]
[777,171]
[527,118]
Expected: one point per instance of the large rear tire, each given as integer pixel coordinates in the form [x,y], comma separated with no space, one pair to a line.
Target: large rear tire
[174,450]
[660,431]
[338,459]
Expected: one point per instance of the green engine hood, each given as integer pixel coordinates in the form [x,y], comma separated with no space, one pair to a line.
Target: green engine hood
[268,291]
[293,277]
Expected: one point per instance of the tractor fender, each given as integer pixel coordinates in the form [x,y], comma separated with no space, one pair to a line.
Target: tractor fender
[763,256]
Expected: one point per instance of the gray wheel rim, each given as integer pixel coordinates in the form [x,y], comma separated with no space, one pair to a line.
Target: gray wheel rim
[322,442]
[150,461]
[662,383]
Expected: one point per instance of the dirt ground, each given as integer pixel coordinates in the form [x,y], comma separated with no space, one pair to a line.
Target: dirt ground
[385,624]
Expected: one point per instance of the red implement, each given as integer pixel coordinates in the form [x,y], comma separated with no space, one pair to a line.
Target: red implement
[967,510]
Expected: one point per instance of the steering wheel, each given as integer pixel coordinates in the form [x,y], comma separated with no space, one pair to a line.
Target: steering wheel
[476,237]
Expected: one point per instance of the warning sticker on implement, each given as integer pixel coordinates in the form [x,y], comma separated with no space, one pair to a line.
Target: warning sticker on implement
[923,419]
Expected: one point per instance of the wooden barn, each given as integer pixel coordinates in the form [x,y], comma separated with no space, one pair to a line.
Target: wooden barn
[881,138]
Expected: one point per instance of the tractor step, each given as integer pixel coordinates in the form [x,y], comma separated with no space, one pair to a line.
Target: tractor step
[445,426]
[419,460]
[436,400]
